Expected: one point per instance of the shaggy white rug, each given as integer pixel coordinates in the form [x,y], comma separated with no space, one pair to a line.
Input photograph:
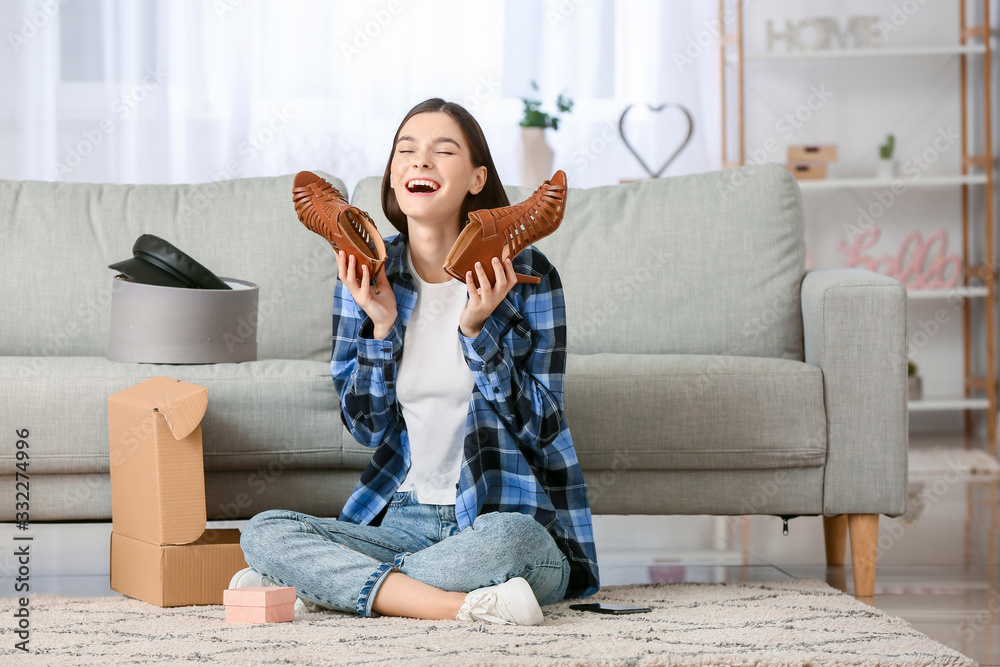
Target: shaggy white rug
[776,623]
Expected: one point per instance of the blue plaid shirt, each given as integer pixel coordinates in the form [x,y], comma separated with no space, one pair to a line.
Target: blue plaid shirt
[518,454]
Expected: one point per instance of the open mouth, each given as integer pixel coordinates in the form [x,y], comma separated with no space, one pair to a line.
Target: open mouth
[422,186]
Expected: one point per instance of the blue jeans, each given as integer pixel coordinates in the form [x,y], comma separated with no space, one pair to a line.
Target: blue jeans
[340,565]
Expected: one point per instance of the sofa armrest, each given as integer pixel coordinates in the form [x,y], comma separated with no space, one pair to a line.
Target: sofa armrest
[855,329]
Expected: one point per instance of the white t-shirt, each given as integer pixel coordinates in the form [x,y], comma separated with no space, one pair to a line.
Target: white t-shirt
[434,386]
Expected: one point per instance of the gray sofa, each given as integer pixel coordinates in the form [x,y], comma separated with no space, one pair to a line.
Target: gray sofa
[707,371]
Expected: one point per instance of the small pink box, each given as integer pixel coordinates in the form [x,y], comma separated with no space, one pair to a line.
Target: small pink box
[259,604]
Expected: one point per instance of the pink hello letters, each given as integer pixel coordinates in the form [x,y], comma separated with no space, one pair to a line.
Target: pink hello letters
[909,268]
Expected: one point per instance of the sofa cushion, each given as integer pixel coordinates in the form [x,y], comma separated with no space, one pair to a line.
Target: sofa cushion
[260,414]
[66,234]
[322,492]
[234,494]
[697,412]
[706,263]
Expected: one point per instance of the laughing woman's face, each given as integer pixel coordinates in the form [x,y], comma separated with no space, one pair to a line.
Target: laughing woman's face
[432,169]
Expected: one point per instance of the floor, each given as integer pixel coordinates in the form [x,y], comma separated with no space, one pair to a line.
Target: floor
[937,564]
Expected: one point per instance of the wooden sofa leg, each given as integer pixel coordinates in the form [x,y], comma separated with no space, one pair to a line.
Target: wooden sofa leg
[835,537]
[864,549]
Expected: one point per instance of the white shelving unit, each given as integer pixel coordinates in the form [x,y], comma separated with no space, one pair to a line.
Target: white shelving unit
[974,41]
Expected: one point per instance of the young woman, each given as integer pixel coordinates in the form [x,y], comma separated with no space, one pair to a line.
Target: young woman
[473,506]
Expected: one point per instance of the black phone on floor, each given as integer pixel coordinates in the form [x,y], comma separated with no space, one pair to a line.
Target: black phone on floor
[609,608]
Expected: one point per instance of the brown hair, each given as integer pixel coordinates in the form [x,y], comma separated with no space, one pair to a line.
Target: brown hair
[491,196]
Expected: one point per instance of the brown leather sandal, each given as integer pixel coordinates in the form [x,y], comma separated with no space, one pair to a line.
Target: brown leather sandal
[504,232]
[322,209]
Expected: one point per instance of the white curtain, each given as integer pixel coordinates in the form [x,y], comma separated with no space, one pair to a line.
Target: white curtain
[173,91]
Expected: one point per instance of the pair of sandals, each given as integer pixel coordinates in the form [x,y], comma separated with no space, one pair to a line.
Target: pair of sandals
[491,232]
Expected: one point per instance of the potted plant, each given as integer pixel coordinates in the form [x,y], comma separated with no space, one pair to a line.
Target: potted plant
[886,163]
[913,385]
[536,154]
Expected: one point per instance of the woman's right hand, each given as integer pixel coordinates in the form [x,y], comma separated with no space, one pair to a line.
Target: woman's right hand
[381,308]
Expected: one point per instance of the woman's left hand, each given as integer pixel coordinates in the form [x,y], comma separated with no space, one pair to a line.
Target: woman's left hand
[485,299]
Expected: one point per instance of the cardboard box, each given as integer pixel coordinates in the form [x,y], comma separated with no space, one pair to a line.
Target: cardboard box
[812,153]
[807,170]
[175,325]
[260,604]
[161,551]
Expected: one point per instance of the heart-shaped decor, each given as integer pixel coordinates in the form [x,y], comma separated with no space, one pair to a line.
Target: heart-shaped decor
[656,109]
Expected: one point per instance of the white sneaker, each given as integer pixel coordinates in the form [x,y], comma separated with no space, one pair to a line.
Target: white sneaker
[251,578]
[510,603]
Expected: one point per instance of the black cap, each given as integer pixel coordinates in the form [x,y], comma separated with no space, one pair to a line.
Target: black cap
[157,262]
